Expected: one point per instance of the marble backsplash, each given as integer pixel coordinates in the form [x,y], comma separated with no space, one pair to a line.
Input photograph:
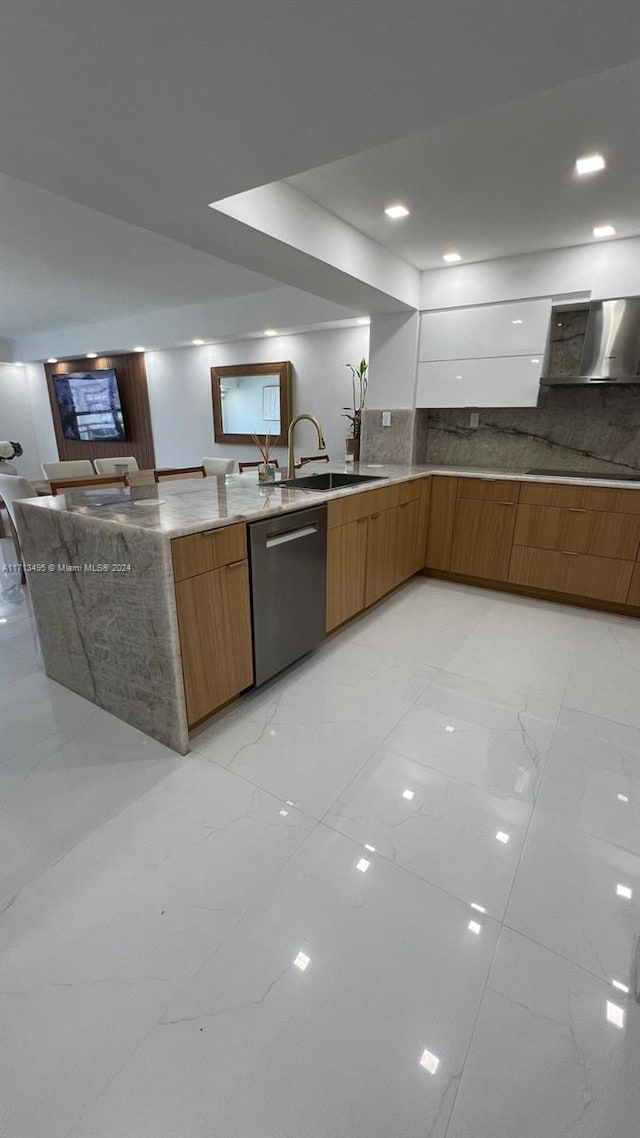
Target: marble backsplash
[579,429]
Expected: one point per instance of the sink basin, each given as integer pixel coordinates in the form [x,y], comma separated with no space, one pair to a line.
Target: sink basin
[329,481]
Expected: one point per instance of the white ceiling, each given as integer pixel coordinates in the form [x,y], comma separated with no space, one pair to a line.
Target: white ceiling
[501,182]
[147,111]
[64,264]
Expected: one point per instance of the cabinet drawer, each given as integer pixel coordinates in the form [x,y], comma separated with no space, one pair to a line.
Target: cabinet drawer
[578,531]
[489,489]
[407,491]
[200,552]
[581,497]
[341,511]
[575,574]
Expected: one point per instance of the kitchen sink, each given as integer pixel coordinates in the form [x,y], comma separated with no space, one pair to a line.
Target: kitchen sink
[329,481]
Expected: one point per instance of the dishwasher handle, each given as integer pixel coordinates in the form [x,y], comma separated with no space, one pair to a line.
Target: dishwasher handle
[291,535]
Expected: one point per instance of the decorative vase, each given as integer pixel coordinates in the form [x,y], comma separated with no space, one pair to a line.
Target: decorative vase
[267,472]
[352,449]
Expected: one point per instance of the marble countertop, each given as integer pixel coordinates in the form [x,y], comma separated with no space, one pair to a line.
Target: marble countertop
[185,506]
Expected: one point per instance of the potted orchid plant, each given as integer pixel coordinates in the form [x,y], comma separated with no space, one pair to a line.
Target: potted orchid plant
[359,380]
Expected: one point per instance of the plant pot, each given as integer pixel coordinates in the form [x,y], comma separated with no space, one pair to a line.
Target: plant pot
[352,449]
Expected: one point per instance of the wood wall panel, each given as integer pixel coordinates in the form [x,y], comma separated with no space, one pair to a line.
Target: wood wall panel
[131,373]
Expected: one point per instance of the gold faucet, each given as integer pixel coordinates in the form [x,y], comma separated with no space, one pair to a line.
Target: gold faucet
[291,468]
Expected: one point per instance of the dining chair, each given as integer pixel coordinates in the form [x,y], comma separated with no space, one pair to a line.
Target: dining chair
[242,466]
[218,465]
[12,489]
[59,485]
[80,468]
[111,465]
[314,458]
[169,472]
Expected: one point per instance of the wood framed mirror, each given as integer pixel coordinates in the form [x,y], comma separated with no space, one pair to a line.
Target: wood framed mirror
[250,398]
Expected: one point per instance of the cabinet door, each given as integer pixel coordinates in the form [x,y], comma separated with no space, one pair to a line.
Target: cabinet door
[598,532]
[442,508]
[407,542]
[503,381]
[382,533]
[215,637]
[482,538]
[509,329]
[346,565]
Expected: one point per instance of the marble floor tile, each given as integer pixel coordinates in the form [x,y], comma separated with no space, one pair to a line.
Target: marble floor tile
[490,737]
[606,680]
[578,896]
[592,777]
[555,1053]
[94,950]
[507,660]
[443,830]
[342,1004]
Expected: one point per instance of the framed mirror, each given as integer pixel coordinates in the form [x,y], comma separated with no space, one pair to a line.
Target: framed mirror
[250,398]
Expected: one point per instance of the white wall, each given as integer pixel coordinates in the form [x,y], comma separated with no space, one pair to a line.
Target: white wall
[394,357]
[603,269]
[17,420]
[180,391]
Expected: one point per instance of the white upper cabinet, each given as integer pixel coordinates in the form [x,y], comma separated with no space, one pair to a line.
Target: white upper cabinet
[514,329]
[488,356]
[498,381]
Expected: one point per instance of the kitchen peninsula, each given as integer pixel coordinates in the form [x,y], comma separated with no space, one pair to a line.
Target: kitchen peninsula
[142,600]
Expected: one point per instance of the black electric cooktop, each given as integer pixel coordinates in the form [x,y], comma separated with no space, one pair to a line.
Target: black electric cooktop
[617,476]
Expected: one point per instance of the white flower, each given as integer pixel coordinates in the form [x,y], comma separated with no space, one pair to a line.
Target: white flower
[6,450]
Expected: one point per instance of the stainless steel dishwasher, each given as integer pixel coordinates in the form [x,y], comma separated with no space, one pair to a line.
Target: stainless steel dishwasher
[288,556]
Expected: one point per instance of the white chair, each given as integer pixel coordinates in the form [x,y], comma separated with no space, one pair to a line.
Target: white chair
[80,468]
[12,489]
[111,465]
[218,465]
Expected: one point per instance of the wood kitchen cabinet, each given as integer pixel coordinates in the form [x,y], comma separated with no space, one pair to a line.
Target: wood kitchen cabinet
[214,621]
[382,536]
[444,492]
[572,574]
[346,569]
[408,560]
[482,538]
[633,596]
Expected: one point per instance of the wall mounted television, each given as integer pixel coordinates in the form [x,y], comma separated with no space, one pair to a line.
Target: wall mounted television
[89,406]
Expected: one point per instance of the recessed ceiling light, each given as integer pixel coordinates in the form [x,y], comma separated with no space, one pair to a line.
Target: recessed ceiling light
[620,986]
[449,729]
[197,342]
[396,211]
[139,349]
[19,363]
[590,163]
[3,619]
[363,865]
[502,837]
[451,257]
[624,891]
[52,360]
[603,230]
[271,332]
[458,377]
[429,1061]
[92,355]
[474,927]
[408,794]
[302,961]
[535,360]
[623,798]
[615,1014]
[363,320]
[518,321]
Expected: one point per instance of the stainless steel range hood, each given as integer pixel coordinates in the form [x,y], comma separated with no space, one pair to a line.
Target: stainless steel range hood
[600,343]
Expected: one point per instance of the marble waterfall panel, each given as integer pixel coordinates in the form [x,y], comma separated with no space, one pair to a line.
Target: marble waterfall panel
[105,610]
[578,429]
